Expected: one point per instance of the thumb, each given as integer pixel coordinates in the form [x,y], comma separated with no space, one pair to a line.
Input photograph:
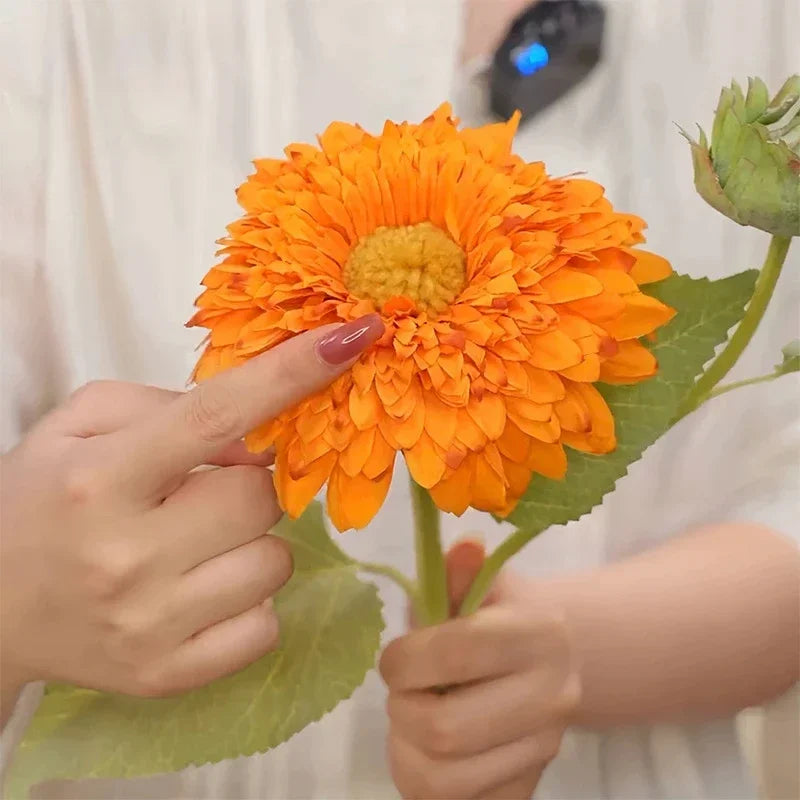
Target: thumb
[462,563]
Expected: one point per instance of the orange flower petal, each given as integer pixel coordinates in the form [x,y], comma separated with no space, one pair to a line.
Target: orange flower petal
[606,305]
[573,413]
[354,457]
[310,425]
[588,371]
[488,488]
[227,328]
[544,431]
[295,495]
[263,437]
[615,258]
[518,476]
[632,363]
[407,432]
[569,284]
[468,433]
[453,493]
[600,438]
[365,409]
[381,458]
[548,459]
[649,267]
[522,407]
[354,501]
[440,421]
[543,386]
[424,463]
[489,414]
[642,315]
[614,280]
[554,350]
[514,444]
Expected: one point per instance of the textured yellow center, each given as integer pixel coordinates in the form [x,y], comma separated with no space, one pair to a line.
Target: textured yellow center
[420,262]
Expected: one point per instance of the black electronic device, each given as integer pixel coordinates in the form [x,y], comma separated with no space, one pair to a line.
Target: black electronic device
[549,49]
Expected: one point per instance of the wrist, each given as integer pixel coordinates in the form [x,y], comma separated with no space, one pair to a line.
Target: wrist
[13,676]
[553,595]
[11,685]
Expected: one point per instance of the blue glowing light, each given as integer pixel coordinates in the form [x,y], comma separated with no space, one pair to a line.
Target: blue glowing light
[531,59]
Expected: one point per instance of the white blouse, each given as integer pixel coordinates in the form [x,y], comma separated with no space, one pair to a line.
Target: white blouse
[127,124]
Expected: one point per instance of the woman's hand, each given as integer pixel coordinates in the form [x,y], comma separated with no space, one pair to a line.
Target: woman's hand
[697,628]
[512,685]
[126,569]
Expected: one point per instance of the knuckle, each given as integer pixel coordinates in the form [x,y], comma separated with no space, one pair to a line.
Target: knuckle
[452,657]
[394,707]
[270,637]
[83,484]
[442,737]
[214,414]
[570,697]
[266,485]
[151,683]
[395,662]
[131,637]
[554,624]
[549,745]
[260,488]
[111,568]
[387,664]
[417,776]
[403,774]
[287,374]
[279,560]
[257,500]
[434,784]
[553,630]
[88,394]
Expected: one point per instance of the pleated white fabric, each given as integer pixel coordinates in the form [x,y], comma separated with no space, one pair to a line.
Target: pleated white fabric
[126,124]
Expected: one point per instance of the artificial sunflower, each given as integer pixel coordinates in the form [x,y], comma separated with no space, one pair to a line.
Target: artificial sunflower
[506,295]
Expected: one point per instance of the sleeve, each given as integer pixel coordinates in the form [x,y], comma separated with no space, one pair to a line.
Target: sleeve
[768,489]
[32,366]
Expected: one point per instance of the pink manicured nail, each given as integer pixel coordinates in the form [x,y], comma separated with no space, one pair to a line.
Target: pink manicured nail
[346,342]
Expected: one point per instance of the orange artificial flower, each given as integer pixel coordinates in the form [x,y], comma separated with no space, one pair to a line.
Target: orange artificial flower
[506,295]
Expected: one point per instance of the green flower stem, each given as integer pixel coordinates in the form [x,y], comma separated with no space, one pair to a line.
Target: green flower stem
[393,574]
[729,387]
[491,567]
[724,362]
[433,604]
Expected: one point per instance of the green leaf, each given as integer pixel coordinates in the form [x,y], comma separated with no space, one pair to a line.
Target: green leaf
[757,99]
[330,630]
[791,359]
[707,310]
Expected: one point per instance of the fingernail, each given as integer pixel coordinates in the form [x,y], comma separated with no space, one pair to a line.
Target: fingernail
[352,338]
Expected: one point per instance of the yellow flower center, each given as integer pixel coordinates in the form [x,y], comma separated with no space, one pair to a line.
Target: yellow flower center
[420,262]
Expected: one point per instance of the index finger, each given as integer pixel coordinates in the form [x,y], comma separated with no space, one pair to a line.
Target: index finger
[490,643]
[197,425]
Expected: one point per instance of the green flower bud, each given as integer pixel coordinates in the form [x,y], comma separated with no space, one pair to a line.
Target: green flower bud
[751,172]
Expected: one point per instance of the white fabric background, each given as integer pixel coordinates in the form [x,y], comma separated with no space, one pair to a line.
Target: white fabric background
[125,126]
